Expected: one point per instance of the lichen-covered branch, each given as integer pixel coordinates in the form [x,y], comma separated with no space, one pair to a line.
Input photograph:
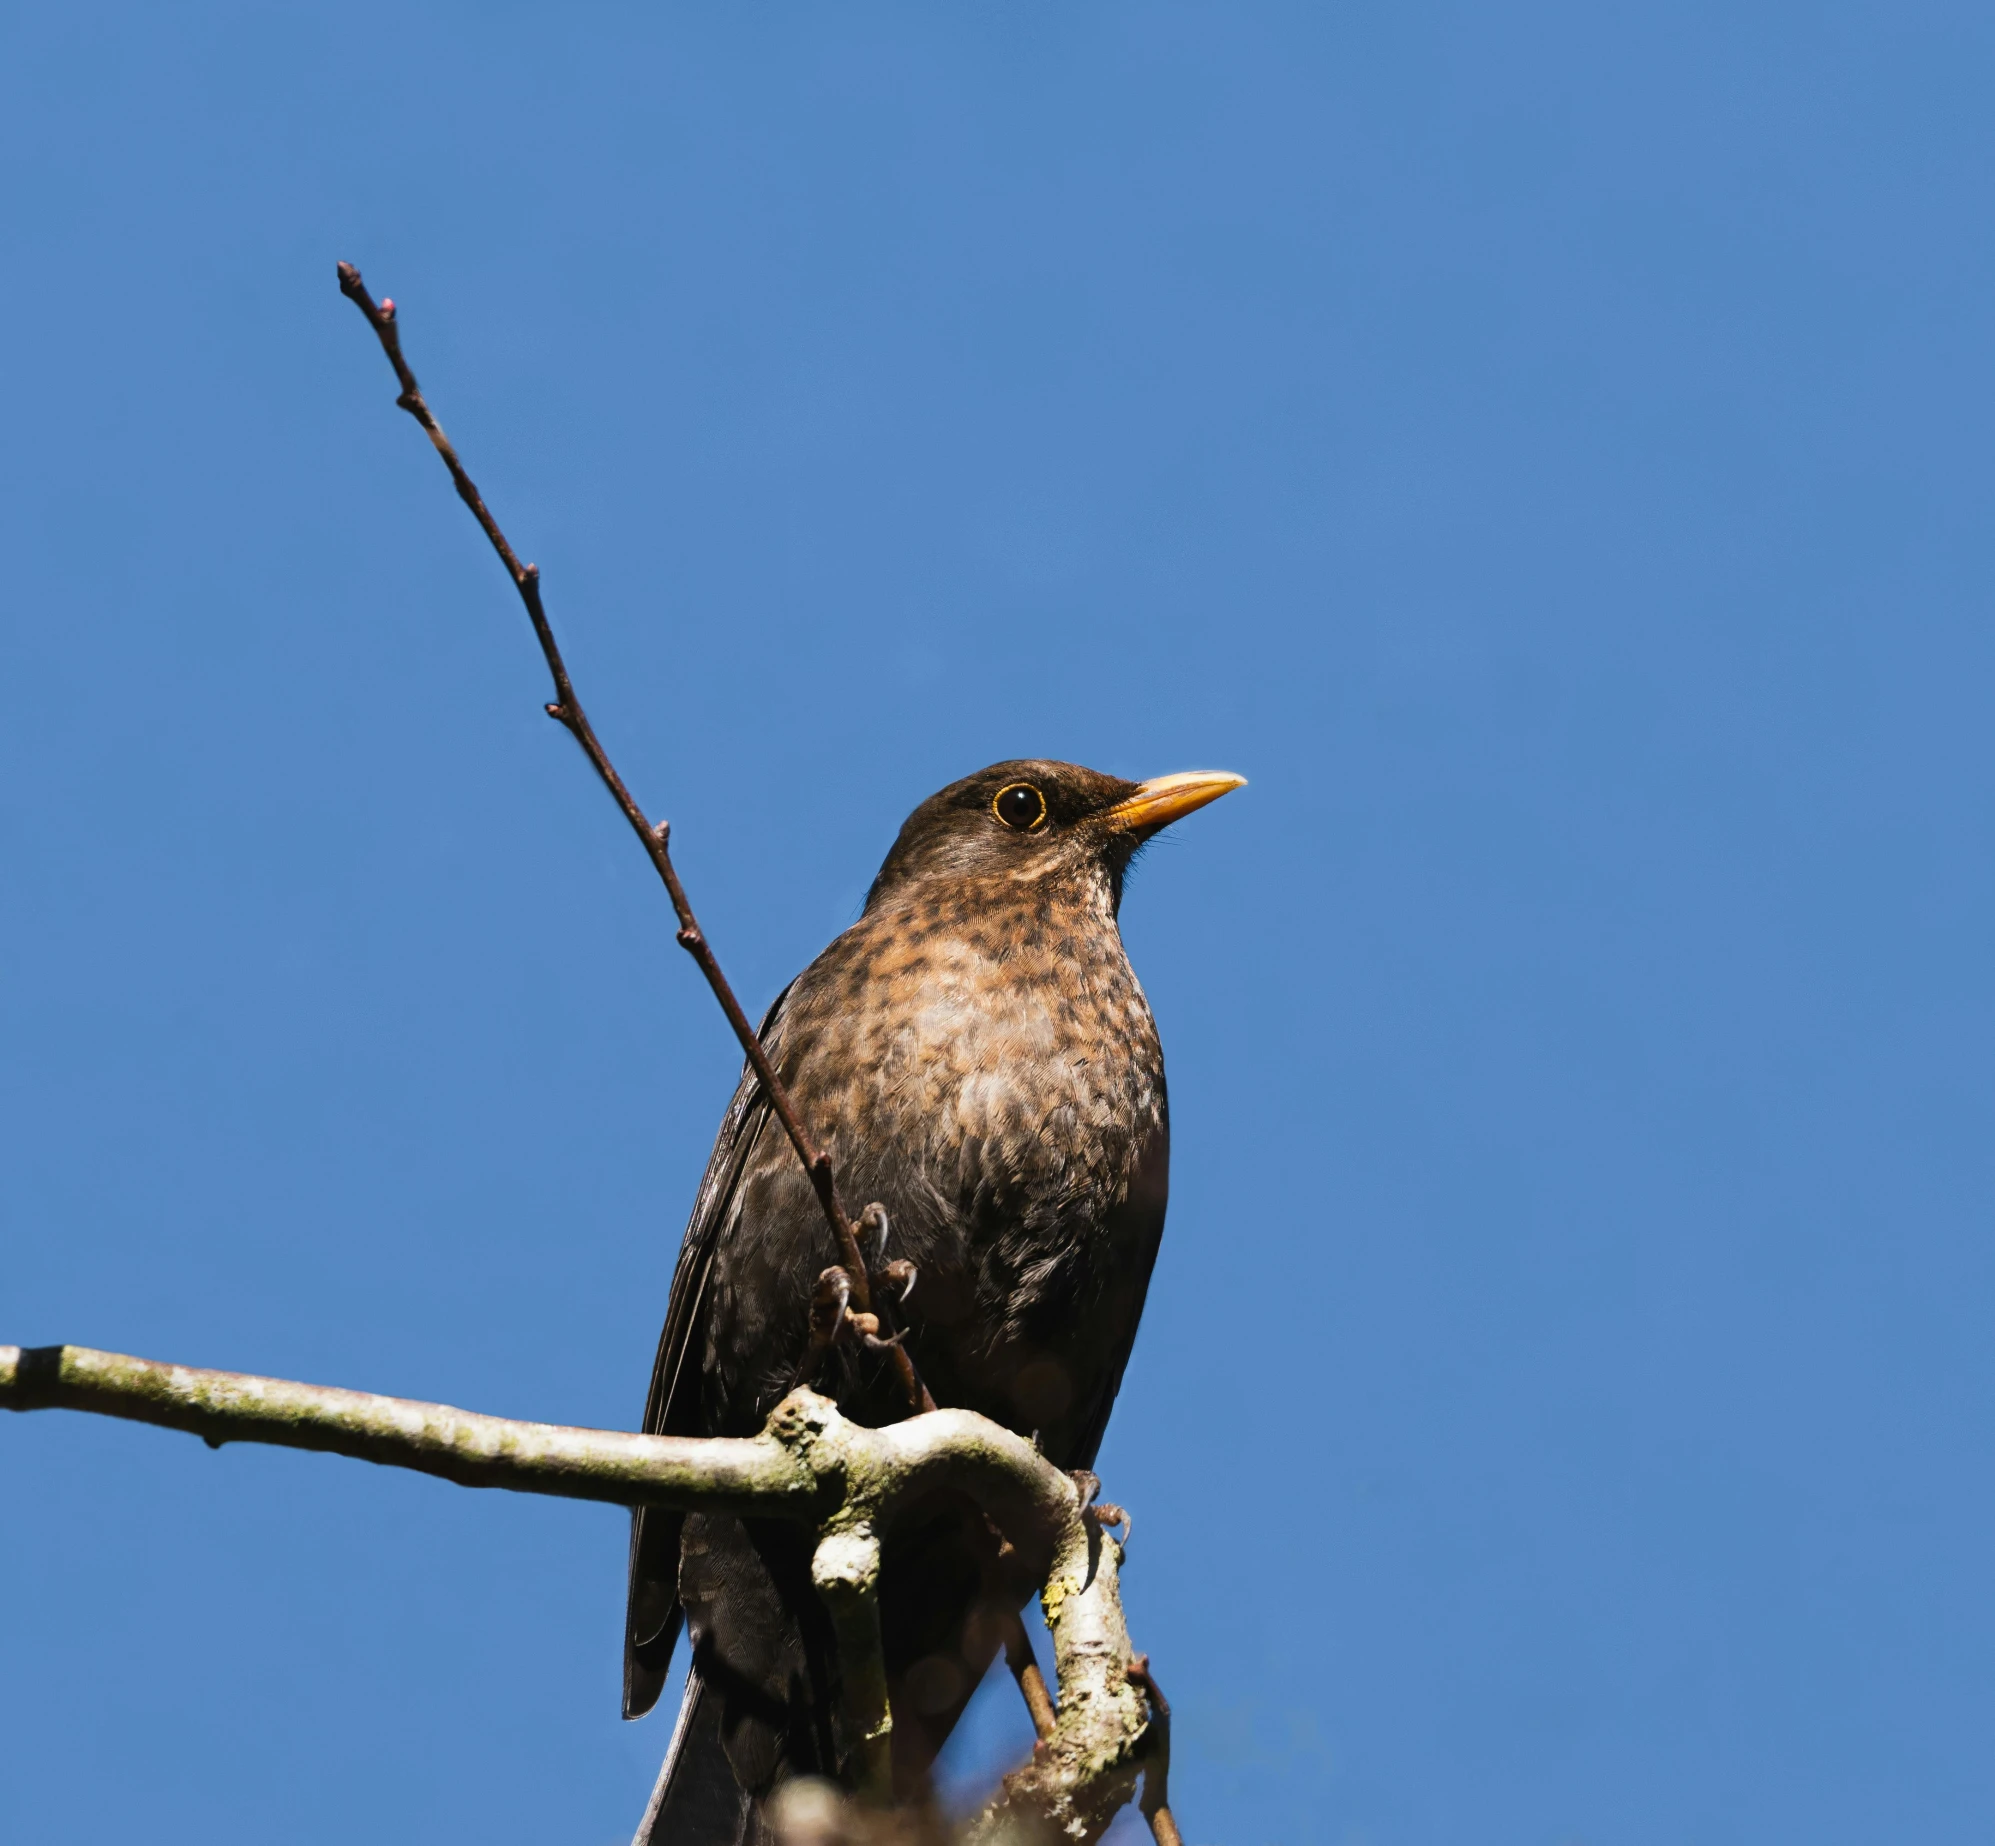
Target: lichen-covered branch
[1084,1772]
[810,1464]
[845,1570]
[751,1475]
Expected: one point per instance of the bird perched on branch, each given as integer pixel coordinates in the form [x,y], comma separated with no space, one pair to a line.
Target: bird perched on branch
[977,1056]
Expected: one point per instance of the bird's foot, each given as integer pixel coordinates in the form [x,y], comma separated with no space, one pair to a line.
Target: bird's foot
[1099,1513]
[896,1278]
[867,1328]
[830,1302]
[833,1317]
[872,1229]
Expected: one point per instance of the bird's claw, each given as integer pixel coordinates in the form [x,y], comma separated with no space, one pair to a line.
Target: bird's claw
[828,1305]
[898,1275]
[867,1327]
[832,1315]
[873,1226]
[1099,1513]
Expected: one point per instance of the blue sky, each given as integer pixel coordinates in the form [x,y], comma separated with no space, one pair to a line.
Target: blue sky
[1545,448]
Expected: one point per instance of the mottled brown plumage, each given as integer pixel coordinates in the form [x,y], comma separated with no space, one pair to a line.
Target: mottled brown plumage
[976,1054]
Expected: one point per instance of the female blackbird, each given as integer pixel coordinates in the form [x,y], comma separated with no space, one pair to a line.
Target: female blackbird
[976,1055]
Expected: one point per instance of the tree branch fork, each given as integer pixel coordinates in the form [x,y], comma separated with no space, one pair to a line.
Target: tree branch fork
[810,1464]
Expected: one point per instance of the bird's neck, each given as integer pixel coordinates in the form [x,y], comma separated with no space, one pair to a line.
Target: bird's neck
[1086,895]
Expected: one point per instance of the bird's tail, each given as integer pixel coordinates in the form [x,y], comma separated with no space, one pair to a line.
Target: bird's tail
[697,1801]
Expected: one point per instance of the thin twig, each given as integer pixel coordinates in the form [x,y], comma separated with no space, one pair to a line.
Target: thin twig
[1156,1802]
[566,710]
[1024,1665]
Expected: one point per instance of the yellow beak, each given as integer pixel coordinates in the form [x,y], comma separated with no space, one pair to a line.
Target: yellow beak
[1164,799]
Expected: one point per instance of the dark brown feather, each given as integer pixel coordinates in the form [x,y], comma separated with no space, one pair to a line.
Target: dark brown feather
[977,1055]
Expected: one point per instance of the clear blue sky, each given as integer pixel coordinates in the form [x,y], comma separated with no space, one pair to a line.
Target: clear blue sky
[1548,449]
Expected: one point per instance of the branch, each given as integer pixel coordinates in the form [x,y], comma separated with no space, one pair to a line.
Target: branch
[1084,1773]
[1156,1803]
[1031,1683]
[810,1464]
[566,710]
[750,1475]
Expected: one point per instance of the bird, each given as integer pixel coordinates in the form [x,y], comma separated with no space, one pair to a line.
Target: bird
[977,1057]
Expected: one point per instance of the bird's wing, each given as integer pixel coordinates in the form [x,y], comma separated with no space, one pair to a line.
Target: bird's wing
[1140,1231]
[1093,1422]
[672,1406]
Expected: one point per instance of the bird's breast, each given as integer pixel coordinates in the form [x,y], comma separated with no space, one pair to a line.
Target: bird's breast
[999,1058]
[991,1075]
[1003,1051]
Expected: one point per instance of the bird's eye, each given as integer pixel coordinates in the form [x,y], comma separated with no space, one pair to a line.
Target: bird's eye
[1020,806]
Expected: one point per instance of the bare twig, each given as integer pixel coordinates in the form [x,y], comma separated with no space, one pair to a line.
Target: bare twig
[1156,1801]
[567,711]
[1024,1665]
[810,1464]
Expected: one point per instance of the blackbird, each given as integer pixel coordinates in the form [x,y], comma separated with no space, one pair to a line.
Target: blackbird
[976,1055]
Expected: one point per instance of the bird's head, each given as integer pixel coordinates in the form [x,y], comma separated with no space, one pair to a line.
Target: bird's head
[1036,820]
